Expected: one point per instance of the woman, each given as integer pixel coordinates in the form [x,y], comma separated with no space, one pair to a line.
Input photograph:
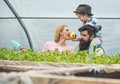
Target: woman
[61,34]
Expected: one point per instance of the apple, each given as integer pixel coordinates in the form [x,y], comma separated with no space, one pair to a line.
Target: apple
[73,35]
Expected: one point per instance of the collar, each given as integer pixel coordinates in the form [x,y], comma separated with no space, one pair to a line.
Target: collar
[90,19]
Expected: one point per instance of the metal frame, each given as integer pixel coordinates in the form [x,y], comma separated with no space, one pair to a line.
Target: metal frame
[20,21]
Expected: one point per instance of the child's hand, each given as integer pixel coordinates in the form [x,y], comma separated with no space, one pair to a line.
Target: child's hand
[90,24]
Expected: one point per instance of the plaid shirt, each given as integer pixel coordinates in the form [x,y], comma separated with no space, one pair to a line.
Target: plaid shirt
[96,24]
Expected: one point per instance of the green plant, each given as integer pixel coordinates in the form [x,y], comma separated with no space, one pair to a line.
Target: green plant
[54,56]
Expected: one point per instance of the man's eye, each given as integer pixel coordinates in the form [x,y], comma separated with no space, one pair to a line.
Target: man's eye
[83,35]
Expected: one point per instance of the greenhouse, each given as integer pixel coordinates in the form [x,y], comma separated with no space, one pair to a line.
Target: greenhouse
[31,23]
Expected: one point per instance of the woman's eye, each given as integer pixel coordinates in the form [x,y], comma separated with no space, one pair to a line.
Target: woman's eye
[67,30]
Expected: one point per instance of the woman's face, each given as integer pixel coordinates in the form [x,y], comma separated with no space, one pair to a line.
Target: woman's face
[65,33]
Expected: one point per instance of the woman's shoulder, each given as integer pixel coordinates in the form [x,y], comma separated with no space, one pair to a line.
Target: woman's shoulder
[50,43]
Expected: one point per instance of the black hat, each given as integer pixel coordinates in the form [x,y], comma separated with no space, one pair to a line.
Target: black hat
[83,8]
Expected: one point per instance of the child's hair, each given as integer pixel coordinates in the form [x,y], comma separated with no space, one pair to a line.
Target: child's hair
[84,9]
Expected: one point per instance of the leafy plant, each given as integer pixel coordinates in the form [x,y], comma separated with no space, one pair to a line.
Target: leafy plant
[55,56]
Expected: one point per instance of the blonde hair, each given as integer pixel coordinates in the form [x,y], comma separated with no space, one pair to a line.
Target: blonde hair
[58,29]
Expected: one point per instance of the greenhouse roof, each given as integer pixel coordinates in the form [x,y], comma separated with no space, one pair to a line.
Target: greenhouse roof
[32,22]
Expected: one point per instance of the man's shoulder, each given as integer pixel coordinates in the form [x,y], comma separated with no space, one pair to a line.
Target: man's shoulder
[96,41]
[96,38]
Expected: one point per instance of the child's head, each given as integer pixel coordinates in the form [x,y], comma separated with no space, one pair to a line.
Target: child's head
[83,11]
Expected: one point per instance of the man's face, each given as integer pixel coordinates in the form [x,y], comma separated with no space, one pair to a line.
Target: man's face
[85,40]
[84,36]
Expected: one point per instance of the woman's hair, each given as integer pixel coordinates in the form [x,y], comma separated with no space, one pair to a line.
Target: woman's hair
[58,29]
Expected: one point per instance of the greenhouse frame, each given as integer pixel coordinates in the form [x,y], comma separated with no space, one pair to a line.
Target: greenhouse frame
[28,22]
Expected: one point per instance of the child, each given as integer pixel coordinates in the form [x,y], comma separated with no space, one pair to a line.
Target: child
[83,11]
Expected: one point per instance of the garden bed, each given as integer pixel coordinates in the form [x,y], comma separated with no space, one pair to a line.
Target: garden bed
[59,73]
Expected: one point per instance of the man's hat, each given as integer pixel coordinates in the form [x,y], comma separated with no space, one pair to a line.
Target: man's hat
[83,8]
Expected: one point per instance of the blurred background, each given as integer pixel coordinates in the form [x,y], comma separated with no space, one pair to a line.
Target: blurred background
[32,22]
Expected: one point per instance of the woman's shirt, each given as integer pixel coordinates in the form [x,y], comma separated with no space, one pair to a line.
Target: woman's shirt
[51,46]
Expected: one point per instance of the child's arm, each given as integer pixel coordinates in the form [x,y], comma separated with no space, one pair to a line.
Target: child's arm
[98,27]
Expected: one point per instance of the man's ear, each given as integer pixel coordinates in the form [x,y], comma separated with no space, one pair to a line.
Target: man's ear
[92,36]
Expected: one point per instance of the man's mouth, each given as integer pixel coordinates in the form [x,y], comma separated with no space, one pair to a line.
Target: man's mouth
[81,40]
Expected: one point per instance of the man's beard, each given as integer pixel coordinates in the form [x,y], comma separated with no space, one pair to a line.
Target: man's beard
[84,45]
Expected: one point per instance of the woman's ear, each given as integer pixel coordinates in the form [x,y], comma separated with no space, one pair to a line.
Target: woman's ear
[60,33]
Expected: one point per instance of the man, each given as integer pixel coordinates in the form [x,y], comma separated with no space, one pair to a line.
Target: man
[89,41]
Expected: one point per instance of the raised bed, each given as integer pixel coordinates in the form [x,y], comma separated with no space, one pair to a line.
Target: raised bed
[58,73]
